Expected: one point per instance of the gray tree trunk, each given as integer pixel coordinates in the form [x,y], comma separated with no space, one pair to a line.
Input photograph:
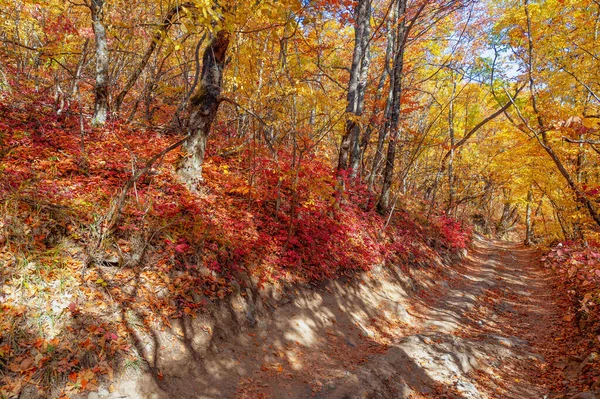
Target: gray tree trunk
[204,106]
[508,221]
[394,121]
[528,221]
[349,150]
[101,89]
[383,130]
[451,191]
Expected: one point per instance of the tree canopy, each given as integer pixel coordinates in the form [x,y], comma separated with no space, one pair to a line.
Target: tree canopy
[265,136]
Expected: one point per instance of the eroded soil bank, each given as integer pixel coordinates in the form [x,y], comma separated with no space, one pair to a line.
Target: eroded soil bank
[485,328]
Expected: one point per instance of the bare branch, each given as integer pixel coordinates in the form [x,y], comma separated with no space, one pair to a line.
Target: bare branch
[592,142]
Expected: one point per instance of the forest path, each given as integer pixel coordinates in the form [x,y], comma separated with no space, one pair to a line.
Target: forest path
[488,327]
[487,336]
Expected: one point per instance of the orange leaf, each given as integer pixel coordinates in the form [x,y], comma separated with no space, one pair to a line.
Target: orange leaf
[88,374]
[568,317]
[26,364]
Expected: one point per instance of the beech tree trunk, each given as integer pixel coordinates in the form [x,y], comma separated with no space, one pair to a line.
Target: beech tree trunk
[508,221]
[528,221]
[394,121]
[204,105]
[383,130]
[451,192]
[350,147]
[101,89]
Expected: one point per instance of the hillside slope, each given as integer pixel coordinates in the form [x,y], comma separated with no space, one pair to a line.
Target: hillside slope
[84,273]
[485,328]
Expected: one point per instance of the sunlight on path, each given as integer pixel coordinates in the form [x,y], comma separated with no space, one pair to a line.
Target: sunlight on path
[480,330]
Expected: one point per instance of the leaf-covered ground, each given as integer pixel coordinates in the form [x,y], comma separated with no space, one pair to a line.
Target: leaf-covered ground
[73,291]
[577,268]
[488,327]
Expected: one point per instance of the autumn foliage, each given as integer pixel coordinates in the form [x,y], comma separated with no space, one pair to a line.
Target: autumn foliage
[173,251]
[577,267]
[159,157]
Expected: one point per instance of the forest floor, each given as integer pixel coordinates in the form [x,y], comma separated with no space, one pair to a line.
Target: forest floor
[491,327]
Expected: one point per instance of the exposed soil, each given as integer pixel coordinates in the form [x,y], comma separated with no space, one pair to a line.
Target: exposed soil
[485,328]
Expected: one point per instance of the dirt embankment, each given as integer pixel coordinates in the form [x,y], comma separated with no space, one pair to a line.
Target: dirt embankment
[484,328]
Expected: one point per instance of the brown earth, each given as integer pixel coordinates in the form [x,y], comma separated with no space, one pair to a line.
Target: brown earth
[487,327]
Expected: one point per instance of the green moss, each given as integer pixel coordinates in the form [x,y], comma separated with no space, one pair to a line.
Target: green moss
[203,97]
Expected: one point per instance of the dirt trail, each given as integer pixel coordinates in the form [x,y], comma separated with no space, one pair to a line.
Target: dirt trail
[487,336]
[482,330]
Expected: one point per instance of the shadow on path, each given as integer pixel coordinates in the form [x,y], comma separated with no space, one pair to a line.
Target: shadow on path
[379,337]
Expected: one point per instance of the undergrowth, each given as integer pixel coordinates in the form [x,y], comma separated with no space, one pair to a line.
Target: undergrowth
[73,292]
[577,266]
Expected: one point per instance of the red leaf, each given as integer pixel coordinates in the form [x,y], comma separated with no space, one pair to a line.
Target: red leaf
[182,248]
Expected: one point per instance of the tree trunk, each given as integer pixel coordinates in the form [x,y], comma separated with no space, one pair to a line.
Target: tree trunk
[79,70]
[356,86]
[394,121]
[204,106]
[101,90]
[577,225]
[451,192]
[528,221]
[389,49]
[356,149]
[508,220]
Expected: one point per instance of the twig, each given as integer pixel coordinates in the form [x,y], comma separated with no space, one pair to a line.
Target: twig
[116,213]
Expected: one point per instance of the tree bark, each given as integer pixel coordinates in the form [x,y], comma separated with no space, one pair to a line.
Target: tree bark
[528,221]
[394,121]
[79,70]
[356,149]
[451,192]
[349,150]
[204,106]
[101,89]
[508,220]
[383,130]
